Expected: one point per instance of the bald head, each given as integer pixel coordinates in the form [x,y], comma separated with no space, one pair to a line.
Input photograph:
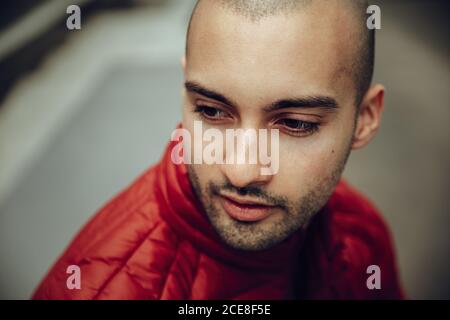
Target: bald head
[255,9]
[361,43]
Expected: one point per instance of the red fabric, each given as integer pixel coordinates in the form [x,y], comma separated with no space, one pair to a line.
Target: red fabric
[153,241]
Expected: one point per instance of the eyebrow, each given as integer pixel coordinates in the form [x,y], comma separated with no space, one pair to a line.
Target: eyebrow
[307,102]
[196,88]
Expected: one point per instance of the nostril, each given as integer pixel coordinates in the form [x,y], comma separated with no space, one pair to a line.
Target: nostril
[242,191]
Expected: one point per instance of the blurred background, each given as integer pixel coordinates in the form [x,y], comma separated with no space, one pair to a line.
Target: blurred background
[84,112]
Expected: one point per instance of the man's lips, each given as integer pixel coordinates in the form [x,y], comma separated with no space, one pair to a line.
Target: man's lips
[245,209]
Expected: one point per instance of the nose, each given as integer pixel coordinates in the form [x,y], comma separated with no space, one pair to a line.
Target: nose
[243,175]
[245,167]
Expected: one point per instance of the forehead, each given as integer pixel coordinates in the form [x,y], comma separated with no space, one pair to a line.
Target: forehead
[305,52]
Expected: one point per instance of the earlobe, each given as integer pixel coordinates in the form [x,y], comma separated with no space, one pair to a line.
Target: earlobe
[369,116]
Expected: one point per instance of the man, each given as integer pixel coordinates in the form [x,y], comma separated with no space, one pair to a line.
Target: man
[226,230]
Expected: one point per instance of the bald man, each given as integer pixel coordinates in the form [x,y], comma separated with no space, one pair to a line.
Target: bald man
[227,230]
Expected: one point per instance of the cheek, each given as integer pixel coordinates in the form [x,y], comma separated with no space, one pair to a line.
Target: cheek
[206,173]
[306,163]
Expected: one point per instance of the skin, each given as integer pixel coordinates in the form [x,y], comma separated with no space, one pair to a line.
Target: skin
[250,64]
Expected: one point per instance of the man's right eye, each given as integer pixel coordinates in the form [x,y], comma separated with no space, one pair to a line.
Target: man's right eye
[211,113]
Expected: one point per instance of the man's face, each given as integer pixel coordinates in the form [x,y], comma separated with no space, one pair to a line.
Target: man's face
[305,56]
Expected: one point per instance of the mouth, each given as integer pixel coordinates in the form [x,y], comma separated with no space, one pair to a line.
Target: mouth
[245,210]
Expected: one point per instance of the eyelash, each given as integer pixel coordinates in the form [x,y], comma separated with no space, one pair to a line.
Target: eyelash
[306,128]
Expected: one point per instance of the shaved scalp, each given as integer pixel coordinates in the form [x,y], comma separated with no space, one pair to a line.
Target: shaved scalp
[257,9]
[254,10]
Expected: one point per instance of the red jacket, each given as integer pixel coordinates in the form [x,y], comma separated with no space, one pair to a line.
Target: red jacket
[153,241]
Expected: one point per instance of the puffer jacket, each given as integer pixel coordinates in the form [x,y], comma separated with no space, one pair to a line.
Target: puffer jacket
[154,241]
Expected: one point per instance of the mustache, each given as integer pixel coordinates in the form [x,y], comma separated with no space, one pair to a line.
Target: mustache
[249,190]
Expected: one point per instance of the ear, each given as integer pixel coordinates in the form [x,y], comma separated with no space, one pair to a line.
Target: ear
[369,116]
